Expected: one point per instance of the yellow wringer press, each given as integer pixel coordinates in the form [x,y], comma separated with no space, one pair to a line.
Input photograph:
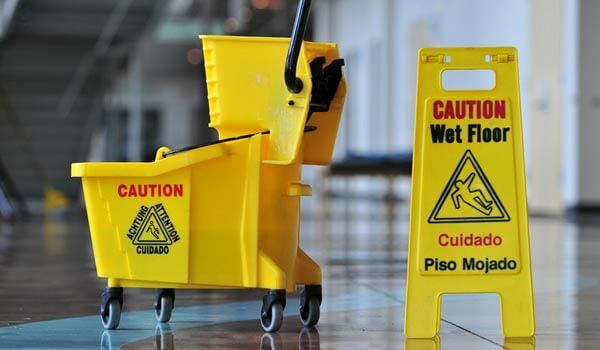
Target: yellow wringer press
[225,214]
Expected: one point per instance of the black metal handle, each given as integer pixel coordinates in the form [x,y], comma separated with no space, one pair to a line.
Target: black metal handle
[294,84]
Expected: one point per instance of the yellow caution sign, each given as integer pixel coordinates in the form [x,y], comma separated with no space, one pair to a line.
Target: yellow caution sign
[468,226]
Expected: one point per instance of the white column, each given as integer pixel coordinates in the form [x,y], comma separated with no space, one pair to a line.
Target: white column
[546,117]
[588,128]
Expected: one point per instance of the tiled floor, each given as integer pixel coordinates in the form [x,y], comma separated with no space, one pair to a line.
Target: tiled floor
[49,294]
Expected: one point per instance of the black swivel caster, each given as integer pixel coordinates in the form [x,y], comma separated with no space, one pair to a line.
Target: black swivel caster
[310,305]
[164,303]
[110,307]
[271,315]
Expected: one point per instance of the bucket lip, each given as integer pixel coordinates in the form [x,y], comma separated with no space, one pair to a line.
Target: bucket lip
[281,39]
[149,169]
[263,39]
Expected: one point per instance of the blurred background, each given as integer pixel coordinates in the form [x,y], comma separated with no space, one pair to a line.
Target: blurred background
[111,80]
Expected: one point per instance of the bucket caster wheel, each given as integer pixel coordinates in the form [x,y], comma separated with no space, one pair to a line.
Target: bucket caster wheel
[110,308]
[272,320]
[310,305]
[111,315]
[271,316]
[163,305]
[309,313]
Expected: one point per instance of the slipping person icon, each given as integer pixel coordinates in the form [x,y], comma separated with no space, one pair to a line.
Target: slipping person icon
[153,230]
[473,198]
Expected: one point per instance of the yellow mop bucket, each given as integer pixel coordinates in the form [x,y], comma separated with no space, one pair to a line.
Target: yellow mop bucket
[226,214]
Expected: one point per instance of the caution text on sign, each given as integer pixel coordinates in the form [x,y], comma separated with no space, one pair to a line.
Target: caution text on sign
[469,231]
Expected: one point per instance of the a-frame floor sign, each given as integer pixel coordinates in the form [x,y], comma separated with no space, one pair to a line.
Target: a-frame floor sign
[468,221]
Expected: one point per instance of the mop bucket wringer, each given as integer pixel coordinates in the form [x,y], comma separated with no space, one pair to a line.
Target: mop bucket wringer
[226,214]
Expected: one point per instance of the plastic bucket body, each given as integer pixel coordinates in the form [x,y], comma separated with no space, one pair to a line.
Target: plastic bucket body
[211,217]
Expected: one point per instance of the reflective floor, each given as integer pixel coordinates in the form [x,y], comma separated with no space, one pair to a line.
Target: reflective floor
[49,293]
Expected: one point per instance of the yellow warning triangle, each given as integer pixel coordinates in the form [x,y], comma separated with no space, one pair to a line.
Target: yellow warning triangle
[468,196]
[152,231]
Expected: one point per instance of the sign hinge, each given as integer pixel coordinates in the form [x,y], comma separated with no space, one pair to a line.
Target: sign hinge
[503,58]
[433,59]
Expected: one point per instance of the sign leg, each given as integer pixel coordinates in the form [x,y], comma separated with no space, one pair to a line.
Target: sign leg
[517,313]
[423,312]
